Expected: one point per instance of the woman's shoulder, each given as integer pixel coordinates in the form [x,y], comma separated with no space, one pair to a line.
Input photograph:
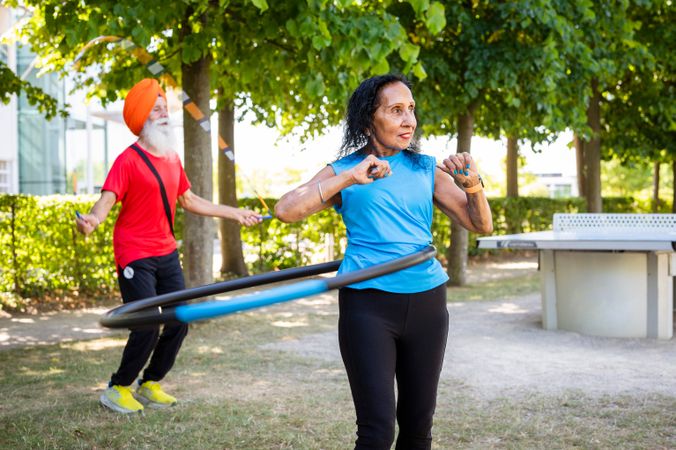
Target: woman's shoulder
[427,159]
[428,162]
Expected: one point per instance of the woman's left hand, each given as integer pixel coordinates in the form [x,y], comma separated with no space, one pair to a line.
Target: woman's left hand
[462,168]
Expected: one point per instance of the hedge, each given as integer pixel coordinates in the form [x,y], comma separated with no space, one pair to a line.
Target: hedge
[41,253]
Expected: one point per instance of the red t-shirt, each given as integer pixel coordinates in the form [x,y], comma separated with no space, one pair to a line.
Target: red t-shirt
[142,229]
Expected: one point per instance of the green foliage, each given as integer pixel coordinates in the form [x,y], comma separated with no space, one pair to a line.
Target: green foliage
[313,53]
[633,205]
[639,114]
[42,255]
[510,215]
[11,84]
[435,17]
[508,62]
[279,245]
[633,177]
[528,67]
[260,4]
[528,214]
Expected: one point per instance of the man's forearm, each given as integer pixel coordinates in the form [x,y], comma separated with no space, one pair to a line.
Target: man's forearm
[103,205]
[203,207]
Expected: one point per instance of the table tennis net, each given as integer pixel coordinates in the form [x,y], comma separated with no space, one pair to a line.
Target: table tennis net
[615,222]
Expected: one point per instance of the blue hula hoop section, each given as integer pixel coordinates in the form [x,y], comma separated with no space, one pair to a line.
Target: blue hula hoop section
[153,311]
[208,310]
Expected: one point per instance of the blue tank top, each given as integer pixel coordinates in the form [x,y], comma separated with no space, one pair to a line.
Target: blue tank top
[390,218]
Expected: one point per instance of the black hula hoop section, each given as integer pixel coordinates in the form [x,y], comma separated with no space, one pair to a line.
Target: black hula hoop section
[135,314]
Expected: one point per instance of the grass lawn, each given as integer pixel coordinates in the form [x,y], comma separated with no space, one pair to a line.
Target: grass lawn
[235,395]
[496,289]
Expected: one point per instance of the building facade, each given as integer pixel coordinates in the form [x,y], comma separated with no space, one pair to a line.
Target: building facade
[9,155]
[32,149]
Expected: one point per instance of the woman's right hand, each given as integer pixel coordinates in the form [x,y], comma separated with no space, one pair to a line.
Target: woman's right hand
[370,169]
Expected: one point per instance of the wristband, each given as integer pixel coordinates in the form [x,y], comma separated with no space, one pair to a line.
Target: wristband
[476,188]
[321,194]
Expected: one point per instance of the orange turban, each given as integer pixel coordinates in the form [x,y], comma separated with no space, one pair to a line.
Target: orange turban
[139,102]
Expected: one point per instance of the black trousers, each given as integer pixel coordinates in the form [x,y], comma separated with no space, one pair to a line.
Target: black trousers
[384,336]
[144,278]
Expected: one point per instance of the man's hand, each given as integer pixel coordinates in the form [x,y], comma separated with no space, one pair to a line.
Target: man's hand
[86,223]
[247,217]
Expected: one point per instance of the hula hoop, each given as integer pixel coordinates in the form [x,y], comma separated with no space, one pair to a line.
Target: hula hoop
[138,313]
[119,316]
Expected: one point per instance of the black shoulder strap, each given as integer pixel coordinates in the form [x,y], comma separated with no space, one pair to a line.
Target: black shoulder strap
[163,191]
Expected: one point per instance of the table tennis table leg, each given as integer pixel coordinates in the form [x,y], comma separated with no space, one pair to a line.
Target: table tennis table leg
[548,289]
[660,296]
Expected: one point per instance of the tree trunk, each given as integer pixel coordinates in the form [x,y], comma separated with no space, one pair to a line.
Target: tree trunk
[592,152]
[232,262]
[457,251]
[198,235]
[512,166]
[581,169]
[656,187]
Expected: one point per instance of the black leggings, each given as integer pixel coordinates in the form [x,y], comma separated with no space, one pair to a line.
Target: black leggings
[382,336]
[149,277]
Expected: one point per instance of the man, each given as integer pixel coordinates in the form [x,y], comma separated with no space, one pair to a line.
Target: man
[145,248]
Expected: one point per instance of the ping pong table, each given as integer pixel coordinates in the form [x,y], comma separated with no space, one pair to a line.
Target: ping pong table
[604,274]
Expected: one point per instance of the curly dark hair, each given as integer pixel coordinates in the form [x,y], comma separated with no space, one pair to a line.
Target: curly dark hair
[360,110]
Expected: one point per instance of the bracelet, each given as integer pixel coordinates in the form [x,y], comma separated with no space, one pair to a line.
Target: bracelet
[476,188]
[321,194]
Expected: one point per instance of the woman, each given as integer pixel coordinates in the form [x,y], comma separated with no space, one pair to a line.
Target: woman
[394,326]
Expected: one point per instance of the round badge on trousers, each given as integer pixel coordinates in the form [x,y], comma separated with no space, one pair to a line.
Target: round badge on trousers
[128,272]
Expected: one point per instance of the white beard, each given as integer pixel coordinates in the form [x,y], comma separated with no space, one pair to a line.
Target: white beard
[159,135]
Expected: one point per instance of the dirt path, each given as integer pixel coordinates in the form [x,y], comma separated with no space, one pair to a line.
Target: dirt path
[499,349]
[25,330]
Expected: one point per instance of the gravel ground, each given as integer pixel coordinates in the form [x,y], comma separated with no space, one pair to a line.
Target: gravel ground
[499,349]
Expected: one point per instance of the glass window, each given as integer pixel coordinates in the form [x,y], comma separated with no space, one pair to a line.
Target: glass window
[42,159]
[560,190]
[4,177]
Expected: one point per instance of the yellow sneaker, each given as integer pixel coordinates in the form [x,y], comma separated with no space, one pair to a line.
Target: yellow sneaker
[120,399]
[151,394]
